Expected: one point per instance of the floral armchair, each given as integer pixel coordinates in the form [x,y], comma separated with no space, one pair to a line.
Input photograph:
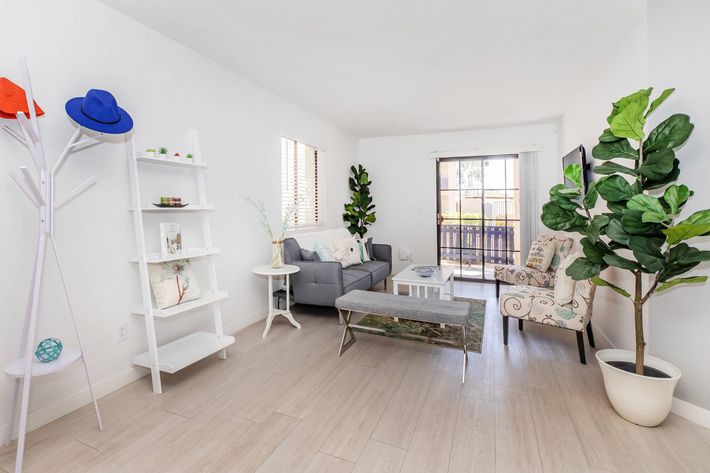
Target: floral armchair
[536,304]
[524,276]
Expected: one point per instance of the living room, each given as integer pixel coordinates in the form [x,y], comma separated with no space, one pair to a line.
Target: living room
[152,324]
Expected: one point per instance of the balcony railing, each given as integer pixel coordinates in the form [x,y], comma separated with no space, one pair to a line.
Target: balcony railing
[469,241]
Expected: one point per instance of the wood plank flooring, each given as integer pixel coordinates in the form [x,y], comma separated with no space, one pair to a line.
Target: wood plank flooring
[289,404]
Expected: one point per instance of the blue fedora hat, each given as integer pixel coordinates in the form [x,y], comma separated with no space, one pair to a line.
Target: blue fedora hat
[98,111]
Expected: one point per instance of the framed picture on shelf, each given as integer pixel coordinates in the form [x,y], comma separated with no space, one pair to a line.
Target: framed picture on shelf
[170,239]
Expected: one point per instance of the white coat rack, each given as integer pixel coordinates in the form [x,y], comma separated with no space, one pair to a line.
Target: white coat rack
[41,193]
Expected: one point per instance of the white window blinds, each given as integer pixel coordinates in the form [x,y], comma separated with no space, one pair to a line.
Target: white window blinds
[300,184]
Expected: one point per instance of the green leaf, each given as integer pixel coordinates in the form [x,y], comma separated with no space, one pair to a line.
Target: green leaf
[557,218]
[364,178]
[651,207]
[676,282]
[582,269]
[629,122]
[615,189]
[651,184]
[647,252]
[697,224]
[633,223]
[685,254]
[670,133]
[616,232]
[608,137]
[617,207]
[602,282]
[573,172]
[659,100]
[657,165]
[595,252]
[619,262]
[676,196]
[596,226]
[371,218]
[590,200]
[639,98]
[617,149]
[611,167]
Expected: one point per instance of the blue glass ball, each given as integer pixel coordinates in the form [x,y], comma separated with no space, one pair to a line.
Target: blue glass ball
[48,350]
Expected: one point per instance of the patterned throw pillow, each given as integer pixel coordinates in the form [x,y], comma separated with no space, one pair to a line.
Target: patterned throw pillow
[347,251]
[541,253]
[172,283]
[563,248]
[362,246]
[324,252]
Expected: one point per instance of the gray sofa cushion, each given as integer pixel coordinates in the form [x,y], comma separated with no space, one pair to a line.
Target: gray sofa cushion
[378,269]
[406,307]
[354,279]
[308,255]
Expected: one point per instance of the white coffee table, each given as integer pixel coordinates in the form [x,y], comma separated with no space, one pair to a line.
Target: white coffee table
[419,286]
[286,270]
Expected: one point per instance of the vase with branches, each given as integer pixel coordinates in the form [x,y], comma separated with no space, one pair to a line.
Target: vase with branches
[277,239]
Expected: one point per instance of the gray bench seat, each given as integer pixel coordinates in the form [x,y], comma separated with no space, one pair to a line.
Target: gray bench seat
[411,308]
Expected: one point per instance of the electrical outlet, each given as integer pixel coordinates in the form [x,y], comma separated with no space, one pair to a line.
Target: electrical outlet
[122,333]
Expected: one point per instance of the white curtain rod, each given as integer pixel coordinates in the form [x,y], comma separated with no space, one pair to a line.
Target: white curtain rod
[485,151]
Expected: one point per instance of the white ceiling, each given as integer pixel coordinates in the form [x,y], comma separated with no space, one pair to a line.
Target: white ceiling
[385,67]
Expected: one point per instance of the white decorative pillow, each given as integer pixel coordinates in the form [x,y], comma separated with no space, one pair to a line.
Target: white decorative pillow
[347,251]
[325,252]
[362,246]
[541,253]
[172,283]
[565,285]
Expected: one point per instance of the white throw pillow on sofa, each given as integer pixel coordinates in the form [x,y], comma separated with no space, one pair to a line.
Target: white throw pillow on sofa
[347,251]
[565,285]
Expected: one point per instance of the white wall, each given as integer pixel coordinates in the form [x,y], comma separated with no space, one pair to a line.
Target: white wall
[679,319]
[403,172]
[75,45]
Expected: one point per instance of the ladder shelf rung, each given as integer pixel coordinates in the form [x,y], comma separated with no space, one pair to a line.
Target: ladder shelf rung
[185,351]
[186,253]
[167,162]
[205,300]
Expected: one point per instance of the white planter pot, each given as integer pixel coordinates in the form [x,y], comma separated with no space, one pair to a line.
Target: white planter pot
[162,156]
[642,400]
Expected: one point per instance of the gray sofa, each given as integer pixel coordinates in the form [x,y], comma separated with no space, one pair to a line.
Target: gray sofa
[321,282]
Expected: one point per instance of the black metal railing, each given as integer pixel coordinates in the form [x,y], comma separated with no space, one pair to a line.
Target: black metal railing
[471,242]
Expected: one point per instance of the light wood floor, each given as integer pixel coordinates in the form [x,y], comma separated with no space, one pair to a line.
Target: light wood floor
[288,404]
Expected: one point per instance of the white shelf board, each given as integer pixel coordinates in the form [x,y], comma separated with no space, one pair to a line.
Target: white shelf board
[16,368]
[205,300]
[185,351]
[157,257]
[167,162]
[189,208]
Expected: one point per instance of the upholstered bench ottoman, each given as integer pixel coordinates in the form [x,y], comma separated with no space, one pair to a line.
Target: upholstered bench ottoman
[437,311]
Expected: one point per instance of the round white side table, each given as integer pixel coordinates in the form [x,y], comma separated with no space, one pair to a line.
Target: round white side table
[286,270]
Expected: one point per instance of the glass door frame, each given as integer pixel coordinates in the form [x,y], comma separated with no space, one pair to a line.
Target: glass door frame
[483,219]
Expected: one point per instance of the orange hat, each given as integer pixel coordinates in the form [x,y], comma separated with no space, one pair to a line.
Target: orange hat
[13,100]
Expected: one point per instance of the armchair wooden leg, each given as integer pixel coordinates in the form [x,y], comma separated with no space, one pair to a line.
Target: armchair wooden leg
[497,288]
[520,324]
[505,330]
[580,346]
[590,335]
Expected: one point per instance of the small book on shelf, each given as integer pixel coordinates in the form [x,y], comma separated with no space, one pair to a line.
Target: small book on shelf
[170,239]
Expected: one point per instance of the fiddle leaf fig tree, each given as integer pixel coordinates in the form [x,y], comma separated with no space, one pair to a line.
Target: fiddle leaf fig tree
[643,230]
[360,211]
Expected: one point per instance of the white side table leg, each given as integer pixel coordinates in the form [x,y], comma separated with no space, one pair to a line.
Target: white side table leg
[395,291]
[288,313]
[270,317]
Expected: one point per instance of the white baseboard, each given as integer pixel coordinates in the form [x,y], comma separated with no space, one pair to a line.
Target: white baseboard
[46,414]
[685,409]
[693,413]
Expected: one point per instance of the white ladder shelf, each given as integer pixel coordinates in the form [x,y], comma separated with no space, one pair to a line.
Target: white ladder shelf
[184,351]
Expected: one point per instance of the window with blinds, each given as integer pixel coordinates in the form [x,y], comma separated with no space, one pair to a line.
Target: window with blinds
[300,186]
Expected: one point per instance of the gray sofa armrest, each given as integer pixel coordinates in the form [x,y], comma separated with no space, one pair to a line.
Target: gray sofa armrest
[382,253]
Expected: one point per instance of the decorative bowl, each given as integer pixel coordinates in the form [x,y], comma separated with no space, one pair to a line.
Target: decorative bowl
[424,271]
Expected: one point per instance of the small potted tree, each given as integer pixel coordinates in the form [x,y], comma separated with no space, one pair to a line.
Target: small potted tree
[640,231]
[360,211]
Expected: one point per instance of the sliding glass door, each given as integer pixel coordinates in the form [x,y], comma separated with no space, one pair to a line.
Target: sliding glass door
[478,214]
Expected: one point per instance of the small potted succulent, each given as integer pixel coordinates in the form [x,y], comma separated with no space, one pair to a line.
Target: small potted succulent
[189,158]
[176,157]
[149,153]
[163,152]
